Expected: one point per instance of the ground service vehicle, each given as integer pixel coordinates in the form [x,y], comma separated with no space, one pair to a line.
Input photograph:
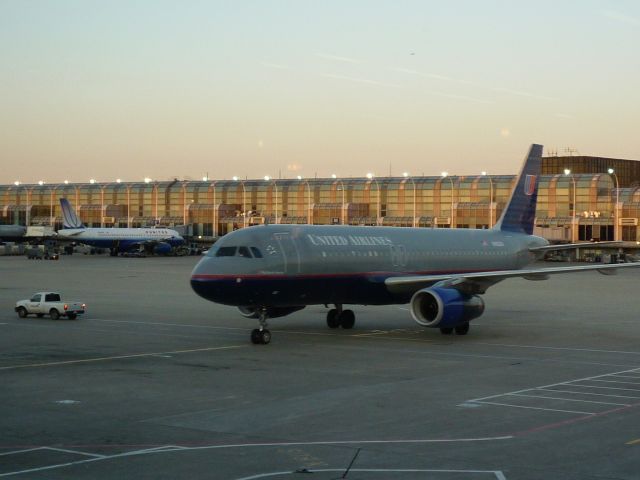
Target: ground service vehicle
[49,303]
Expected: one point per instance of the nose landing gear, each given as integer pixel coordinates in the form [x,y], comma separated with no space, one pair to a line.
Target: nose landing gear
[261,336]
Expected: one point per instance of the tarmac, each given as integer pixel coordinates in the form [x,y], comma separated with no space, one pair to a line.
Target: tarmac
[157,383]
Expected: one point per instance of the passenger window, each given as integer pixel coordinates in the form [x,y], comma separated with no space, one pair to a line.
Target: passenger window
[244,252]
[52,297]
[35,298]
[226,252]
[256,252]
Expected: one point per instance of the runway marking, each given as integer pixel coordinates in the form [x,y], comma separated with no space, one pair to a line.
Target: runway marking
[178,448]
[118,357]
[615,381]
[539,408]
[570,349]
[590,393]
[540,393]
[568,399]
[496,473]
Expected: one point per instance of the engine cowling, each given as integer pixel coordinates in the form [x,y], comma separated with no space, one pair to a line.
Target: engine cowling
[444,307]
[272,312]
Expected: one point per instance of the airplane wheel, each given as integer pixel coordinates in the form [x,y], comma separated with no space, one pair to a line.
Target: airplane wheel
[333,318]
[266,337]
[347,319]
[255,336]
[462,329]
[446,330]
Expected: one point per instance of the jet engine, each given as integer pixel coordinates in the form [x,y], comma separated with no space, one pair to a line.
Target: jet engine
[272,312]
[444,307]
[162,248]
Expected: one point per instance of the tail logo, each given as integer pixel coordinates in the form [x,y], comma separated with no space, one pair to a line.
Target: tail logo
[530,184]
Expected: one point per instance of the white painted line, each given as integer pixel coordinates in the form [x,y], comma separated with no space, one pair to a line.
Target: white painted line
[568,383]
[615,375]
[538,408]
[588,393]
[168,448]
[569,399]
[614,381]
[16,452]
[75,452]
[118,357]
[608,388]
[496,474]
[570,349]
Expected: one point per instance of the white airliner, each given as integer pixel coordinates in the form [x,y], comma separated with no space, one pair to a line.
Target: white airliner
[160,240]
[271,271]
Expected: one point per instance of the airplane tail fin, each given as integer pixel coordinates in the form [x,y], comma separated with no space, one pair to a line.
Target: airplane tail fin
[519,214]
[69,217]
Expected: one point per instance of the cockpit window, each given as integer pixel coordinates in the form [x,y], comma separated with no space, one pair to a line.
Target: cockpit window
[226,252]
[256,252]
[244,252]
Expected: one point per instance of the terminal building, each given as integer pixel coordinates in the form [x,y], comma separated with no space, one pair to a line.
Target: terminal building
[580,198]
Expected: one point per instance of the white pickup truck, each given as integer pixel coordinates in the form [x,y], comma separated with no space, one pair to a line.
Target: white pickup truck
[49,303]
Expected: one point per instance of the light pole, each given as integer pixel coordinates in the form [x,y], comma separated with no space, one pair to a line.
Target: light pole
[567,172]
[214,212]
[17,184]
[308,199]
[371,176]
[342,212]
[406,176]
[52,192]
[275,186]
[184,203]
[484,174]
[616,211]
[451,221]
[244,194]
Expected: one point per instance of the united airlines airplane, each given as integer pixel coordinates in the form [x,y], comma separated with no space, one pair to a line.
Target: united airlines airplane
[274,270]
[160,240]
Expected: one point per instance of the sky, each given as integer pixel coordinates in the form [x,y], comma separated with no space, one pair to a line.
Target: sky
[173,89]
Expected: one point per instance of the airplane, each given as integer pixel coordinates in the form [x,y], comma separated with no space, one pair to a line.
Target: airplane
[269,271]
[159,240]
[12,232]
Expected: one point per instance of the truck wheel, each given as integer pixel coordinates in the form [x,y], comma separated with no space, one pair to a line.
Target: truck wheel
[55,315]
[71,316]
[22,312]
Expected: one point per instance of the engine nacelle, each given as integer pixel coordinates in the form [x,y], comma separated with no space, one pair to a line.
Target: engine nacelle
[272,312]
[444,307]
[162,248]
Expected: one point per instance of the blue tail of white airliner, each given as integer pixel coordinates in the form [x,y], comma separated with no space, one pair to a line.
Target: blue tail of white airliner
[519,215]
[69,217]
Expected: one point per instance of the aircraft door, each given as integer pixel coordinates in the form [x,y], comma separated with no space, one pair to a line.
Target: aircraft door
[290,254]
[398,256]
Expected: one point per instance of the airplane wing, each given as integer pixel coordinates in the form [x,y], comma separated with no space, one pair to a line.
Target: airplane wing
[570,246]
[478,282]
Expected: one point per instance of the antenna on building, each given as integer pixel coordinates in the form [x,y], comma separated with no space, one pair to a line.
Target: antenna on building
[570,151]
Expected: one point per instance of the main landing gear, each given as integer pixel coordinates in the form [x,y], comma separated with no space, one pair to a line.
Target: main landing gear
[337,317]
[261,336]
[462,329]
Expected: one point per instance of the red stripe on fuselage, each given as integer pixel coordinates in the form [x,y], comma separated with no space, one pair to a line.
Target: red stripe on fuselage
[266,276]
